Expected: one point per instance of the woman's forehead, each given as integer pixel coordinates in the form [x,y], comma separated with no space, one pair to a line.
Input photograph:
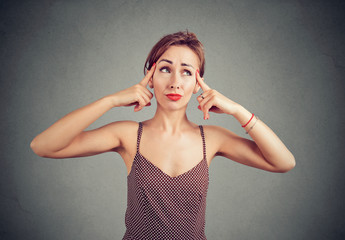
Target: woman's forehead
[180,54]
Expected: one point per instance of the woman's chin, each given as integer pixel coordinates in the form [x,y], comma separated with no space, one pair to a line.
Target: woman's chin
[172,106]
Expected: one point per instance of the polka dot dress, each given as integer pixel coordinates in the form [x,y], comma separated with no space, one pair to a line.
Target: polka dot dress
[164,207]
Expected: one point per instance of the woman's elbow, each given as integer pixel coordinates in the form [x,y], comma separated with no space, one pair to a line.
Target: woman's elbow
[35,147]
[289,165]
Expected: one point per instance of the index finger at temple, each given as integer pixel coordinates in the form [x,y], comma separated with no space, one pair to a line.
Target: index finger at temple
[149,74]
[201,82]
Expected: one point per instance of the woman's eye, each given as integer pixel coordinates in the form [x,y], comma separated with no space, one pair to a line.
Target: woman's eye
[164,69]
[167,70]
[188,73]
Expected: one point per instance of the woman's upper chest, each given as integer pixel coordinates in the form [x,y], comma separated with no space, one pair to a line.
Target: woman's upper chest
[173,154]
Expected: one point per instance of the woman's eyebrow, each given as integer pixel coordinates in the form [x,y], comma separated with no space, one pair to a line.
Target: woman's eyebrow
[187,65]
[166,60]
[182,64]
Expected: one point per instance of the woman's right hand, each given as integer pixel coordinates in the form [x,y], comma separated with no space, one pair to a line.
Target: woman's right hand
[137,95]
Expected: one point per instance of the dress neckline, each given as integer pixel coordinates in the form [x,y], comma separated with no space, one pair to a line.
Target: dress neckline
[167,175]
[140,130]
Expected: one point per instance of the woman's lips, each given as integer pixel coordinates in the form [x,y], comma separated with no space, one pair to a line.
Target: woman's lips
[174,96]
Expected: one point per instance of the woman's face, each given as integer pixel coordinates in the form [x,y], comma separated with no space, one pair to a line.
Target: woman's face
[174,79]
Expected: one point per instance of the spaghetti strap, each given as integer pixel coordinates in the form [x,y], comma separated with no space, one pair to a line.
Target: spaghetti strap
[140,130]
[203,140]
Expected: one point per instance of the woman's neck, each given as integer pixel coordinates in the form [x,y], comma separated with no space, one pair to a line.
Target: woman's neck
[170,121]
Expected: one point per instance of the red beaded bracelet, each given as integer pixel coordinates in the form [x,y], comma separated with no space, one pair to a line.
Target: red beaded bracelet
[248,121]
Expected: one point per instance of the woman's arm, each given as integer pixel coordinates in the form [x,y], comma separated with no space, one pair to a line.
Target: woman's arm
[67,138]
[271,147]
[266,152]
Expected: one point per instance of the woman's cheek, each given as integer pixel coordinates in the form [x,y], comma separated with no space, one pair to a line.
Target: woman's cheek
[160,79]
[189,85]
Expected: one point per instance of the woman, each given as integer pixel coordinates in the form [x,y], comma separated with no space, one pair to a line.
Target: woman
[167,157]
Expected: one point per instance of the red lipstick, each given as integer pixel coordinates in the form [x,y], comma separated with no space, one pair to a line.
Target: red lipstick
[174,96]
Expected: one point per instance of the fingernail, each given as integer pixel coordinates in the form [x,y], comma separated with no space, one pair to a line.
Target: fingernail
[153,64]
[199,107]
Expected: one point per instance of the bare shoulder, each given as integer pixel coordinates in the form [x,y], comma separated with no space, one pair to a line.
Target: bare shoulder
[215,132]
[124,130]
[123,125]
[217,136]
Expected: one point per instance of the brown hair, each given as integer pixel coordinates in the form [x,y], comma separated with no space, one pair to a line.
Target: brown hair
[186,38]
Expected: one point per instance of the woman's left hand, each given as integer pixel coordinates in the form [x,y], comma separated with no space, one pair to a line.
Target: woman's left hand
[213,101]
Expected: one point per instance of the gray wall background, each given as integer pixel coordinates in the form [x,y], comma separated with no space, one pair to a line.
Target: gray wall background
[283,60]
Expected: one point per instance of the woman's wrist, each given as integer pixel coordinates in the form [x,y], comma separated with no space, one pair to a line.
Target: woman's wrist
[111,101]
[242,115]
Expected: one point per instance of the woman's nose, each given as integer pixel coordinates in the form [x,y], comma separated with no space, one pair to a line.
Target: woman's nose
[175,81]
[177,87]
